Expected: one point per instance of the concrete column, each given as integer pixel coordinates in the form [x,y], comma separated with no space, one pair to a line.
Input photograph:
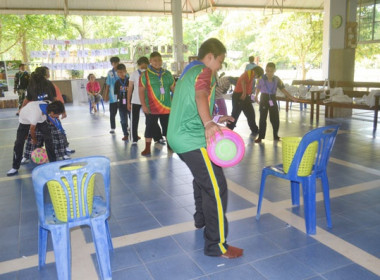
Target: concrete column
[177,34]
[338,62]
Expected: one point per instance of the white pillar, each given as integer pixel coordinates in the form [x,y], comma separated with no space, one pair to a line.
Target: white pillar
[338,62]
[177,34]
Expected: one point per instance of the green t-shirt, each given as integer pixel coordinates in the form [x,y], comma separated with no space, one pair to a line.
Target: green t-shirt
[185,130]
[157,102]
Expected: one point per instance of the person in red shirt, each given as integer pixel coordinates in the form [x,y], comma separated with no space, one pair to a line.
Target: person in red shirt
[93,90]
[241,98]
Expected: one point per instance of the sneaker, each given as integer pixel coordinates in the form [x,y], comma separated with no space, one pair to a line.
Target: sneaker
[24,160]
[258,140]
[232,253]
[66,157]
[68,150]
[125,138]
[112,131]
[12,172]
[161,141]
[277,138]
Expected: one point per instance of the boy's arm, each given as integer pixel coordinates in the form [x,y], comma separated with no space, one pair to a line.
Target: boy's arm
[288,95]
[244,93]
[129,95]
[201,99]
[257,95]
[142,99]
[16,83]
[33,133]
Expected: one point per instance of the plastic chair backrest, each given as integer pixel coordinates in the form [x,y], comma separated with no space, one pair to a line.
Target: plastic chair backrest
[71,179]
[326,137]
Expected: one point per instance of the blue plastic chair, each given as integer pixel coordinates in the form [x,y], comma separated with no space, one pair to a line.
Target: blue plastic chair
[97,105]
[84,170]
[326,138]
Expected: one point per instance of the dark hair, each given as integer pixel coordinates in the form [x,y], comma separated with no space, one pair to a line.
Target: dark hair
[21,64]
[38,82]
[56,107]
[213,46]
[114,59]
[258,71]
[143,60]
[271,65]
[251,59]
[155,54]
[89,76]
[121,66]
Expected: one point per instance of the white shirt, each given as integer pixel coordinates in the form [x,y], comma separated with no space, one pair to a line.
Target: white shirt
[135,78]
[31,113]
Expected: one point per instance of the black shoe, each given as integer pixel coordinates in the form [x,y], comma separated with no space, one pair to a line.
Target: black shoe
[255,131]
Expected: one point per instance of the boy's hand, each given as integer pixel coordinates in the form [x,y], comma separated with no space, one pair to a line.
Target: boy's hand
[257,99]
[227,119]
[210,130]
[243,96]
[145,109]
[129,106]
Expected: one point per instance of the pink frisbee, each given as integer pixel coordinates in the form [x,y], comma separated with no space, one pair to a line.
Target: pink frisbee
[227,150]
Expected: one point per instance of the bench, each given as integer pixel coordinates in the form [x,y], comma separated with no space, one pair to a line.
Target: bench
[329,106]
[312,101]
[348,89]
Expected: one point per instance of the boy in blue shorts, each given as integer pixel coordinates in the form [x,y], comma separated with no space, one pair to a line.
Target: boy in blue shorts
[190,127]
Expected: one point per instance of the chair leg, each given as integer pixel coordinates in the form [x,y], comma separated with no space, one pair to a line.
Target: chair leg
[309,197]
[262,187]
[42,246]
[110,246]
[62,251]
[295,192]
[326,198]
[101,241]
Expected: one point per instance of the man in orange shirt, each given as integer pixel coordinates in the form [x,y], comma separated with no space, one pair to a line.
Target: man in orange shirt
[241,98]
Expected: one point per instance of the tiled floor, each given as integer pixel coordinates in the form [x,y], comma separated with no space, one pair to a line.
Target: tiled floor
[152,205]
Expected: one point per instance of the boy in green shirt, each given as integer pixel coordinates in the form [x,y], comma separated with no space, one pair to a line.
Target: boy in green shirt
[155,86]
[190,127]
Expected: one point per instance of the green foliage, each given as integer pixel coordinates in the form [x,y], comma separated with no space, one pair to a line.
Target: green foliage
[288,39]
[293,39]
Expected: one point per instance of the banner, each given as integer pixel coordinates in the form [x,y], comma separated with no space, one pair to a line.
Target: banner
[92,41]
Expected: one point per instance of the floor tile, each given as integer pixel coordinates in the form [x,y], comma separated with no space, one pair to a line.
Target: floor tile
[350,272]
[320,258]
[157,249]
[283,267]
[239,272]
[174,268]
[137,272]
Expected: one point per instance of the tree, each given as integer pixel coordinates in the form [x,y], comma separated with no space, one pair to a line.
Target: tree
[293,38]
